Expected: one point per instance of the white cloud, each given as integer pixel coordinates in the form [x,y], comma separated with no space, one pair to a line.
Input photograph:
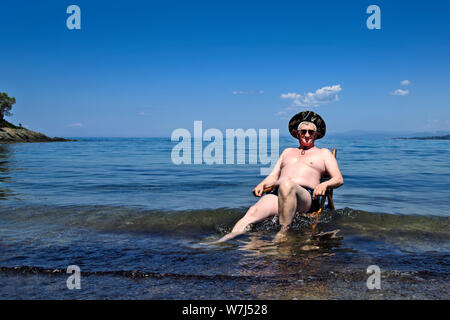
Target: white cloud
[321,96]
[290,95]
[242,92]
[405,82]
[142,113]
[72,125]
[400,92]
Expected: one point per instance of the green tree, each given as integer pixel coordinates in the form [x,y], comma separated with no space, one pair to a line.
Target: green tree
[6,104]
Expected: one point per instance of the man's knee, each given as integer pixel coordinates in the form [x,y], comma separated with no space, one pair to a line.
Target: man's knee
[286,188]
[253,212]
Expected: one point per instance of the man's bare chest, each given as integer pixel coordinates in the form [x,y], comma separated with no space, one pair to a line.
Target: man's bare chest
[295,160]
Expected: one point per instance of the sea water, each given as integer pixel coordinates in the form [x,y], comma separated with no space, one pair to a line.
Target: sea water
[133,221]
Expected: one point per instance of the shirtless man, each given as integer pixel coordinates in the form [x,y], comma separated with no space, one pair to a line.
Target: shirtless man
[295,177]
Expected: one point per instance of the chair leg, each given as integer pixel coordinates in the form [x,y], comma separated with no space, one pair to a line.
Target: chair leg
[330,201]
[318,212]
[316,220]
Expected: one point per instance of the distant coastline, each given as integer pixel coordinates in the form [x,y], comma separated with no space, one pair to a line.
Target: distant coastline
[10,133]
[445,137]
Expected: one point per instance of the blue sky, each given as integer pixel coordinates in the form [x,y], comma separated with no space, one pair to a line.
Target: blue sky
[145,68]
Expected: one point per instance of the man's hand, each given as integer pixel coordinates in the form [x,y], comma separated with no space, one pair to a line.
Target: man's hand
[258,191]
[320,190]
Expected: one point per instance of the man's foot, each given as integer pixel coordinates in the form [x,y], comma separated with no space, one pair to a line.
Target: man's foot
[224,238]
[281,235]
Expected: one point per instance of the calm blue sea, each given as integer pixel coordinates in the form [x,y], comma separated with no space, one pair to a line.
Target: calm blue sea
[114,206]
[391,176]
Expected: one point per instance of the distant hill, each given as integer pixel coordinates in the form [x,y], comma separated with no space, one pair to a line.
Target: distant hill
[361,134]
[446,137]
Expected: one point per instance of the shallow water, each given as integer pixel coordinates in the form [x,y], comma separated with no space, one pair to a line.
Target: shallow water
[133,222]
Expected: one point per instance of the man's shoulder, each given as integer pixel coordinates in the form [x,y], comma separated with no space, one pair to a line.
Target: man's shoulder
[325,151]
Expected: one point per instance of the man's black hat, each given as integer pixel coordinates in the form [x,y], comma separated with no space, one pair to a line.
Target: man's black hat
[309,116]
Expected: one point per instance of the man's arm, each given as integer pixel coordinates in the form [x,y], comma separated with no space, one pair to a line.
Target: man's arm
[336,180]
[271,178]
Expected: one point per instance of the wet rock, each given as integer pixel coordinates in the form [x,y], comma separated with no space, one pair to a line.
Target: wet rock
[14,135]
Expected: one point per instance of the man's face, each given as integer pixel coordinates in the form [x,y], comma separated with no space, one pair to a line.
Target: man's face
[307,134]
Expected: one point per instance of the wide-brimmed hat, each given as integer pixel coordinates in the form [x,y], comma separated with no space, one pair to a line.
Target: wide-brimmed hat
[309,116]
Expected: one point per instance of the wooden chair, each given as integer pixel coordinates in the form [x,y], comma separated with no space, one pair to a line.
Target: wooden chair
[328,196]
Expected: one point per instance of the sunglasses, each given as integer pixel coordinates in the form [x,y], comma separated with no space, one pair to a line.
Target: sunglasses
[311,132]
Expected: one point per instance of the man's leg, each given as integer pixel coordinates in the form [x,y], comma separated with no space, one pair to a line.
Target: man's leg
[291,198]
[266,206]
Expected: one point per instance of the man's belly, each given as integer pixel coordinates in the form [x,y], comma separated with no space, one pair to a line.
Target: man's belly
[305,176]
